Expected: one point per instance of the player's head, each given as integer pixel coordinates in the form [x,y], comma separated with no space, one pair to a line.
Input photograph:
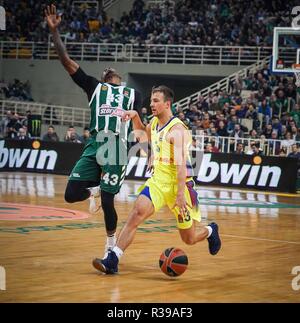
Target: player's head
[162,98]
[110,75]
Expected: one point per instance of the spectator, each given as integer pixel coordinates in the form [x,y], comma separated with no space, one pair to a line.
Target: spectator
[22,135]
[74,139]
[144,116]
[288,141]
[195,145]
[237,132]
[239,149]
[71,135]
[295,113]
[283,152]
[265,110]
[86,135]
[274,144]
[4,122]
[51,135]
[256,151]
[295,152]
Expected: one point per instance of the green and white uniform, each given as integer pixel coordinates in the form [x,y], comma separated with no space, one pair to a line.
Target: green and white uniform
[107,103]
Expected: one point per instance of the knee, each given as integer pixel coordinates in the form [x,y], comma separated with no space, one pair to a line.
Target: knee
[69,198]
[189,240]
[107,201]
[136,217]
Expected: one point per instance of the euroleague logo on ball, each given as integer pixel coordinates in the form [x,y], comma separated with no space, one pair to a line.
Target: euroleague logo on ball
[173,262]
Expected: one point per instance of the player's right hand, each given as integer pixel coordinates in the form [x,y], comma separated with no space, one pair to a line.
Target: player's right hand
[53,19]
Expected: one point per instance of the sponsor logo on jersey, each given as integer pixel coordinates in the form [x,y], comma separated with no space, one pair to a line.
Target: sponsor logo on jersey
[107,110]
[126,93]
[104,88]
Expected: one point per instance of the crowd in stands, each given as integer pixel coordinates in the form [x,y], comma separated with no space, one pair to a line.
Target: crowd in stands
[15,126]
[207,22]
[16,90]
[260,115]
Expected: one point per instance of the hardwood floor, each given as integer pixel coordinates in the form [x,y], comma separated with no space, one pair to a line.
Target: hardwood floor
[47,256]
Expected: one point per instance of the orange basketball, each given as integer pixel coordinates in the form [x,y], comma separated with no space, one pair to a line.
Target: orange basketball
[173,262]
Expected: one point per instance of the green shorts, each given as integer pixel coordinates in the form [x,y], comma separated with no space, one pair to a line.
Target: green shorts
[110,176]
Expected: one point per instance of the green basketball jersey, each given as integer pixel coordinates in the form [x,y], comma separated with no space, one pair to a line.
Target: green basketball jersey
[107,107]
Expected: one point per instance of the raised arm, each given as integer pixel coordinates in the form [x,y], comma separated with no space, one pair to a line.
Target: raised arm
[53,20]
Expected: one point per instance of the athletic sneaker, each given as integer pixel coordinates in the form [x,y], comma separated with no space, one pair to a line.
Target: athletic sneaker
[108,265]
[214,241]
[108,248]
[94,205]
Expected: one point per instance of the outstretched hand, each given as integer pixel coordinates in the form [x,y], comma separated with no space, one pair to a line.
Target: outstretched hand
[129,115]
[53,19]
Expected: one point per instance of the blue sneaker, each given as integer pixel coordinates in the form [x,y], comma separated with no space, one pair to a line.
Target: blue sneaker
[214,241]
[108,265]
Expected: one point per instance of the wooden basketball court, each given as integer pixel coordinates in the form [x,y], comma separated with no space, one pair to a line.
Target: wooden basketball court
[47,256]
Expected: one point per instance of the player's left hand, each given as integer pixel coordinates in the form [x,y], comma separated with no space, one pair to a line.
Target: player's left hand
[182,204]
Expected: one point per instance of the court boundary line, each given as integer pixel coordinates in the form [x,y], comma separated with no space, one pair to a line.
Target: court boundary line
[260,239]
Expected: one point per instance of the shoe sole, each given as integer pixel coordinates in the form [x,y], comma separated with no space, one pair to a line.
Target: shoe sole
[99,266]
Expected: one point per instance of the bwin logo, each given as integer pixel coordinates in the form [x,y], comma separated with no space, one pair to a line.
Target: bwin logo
[2,19]
[2,278]
[254,174]
[16,158]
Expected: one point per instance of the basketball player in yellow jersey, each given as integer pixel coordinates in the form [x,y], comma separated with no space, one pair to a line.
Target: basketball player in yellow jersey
[171,183]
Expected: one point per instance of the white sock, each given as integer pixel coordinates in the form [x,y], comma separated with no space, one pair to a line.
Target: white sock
[119,252]
[111,240]
[209,228]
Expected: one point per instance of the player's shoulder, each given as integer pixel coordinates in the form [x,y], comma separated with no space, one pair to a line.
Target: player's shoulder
[177,124]
[153,122]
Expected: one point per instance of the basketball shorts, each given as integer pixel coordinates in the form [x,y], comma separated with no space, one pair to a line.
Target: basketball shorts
[164,194]
[91,167]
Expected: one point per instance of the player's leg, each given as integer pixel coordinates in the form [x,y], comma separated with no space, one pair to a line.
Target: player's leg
[110,219]
[190,236]
[84,176]
[77,191]
[142,209]
[186,223]
[111,181]
[149,201]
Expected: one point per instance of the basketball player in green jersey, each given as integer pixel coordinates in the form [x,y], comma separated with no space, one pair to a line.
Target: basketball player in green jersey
[107,101]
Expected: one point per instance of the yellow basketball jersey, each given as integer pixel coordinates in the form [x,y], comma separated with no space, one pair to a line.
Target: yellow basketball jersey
[165,170]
